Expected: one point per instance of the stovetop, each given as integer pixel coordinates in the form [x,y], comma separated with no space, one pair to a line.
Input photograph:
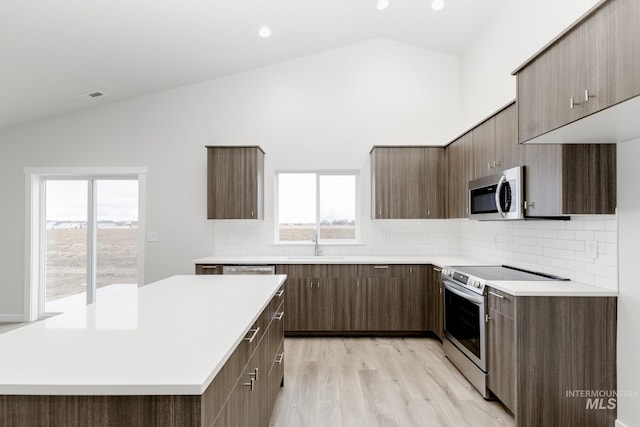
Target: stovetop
[474,277]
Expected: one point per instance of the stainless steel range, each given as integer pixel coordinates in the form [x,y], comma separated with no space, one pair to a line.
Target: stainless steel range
[465,315]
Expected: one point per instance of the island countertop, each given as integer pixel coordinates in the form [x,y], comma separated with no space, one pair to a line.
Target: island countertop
[170,337]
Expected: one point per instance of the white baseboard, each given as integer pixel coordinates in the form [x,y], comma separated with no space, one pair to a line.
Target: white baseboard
[620,424]
[11,318]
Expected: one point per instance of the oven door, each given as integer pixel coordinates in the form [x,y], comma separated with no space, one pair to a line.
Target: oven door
[464,322]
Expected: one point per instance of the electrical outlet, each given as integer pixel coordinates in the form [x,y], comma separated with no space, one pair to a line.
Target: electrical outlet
[152,236]
[591,249]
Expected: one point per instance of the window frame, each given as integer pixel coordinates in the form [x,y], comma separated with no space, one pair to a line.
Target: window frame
[318,172]
[35,178]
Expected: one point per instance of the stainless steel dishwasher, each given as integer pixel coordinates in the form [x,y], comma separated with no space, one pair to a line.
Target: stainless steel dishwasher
[249,269]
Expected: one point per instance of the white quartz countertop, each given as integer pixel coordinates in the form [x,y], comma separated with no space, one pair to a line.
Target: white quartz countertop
[169,337]
[517,288]
[328,259]
[556,288]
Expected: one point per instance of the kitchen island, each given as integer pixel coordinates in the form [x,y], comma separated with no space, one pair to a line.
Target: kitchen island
[173,353]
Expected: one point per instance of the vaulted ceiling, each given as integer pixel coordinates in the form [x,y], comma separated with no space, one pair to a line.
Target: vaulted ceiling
[53,53]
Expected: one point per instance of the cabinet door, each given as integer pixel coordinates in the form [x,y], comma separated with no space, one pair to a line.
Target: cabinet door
[459,171]
[342,295]
[415,297]
[589,178]
[401,184]
[436,319]
[484,137]
[544,90]
[623,53]
[434,172]
[543,179]
[235,182]
[506,142]
[502,348]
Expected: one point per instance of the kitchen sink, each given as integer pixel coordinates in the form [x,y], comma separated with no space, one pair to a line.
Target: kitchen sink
[313,258]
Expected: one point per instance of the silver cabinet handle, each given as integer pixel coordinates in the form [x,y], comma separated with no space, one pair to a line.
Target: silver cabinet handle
[278,316]
[208,267]
[254,374]
[487,318]
[279,358]
[437,269]
[380,267]
[572,103]
[489,166]
[587,96]
[255,333]
[251,213]
[496,295]
[250,384]
[280,293]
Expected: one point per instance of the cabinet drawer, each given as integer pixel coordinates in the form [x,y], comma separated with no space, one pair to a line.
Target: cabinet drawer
[501,302]
[208,269]
[386,270]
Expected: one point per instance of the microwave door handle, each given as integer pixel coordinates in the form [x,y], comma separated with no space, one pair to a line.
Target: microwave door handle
[498,190]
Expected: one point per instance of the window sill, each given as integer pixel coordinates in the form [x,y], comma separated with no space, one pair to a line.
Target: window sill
[321,244]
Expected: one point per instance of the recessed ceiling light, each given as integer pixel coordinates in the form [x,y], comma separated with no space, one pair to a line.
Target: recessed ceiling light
[264,32]
[437,4]
[382,4]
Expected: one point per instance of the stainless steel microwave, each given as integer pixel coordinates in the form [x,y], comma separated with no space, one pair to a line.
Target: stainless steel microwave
[498,197]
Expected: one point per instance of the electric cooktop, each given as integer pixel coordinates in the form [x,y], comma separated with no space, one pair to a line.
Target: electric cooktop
[474,277]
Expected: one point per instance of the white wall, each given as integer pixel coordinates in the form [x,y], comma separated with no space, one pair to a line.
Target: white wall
[512,37]
[629,287]
[319,111]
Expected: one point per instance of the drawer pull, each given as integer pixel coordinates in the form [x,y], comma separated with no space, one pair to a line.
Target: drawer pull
[252,337]
[250,384]
[437,269]
[496,295]
[279,316]
[280,293]
[208,267]
[279,358]
[381,267]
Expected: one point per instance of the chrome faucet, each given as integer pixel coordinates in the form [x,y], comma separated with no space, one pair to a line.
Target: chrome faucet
[316,250]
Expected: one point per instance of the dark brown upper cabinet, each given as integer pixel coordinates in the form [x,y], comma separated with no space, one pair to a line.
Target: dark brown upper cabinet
[459,172]
[495,145]
[569,179]
[591,66]
[407,182]
[235,182]
[488,148]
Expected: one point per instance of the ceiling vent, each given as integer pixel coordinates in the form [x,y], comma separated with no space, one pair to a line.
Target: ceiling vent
[94,94]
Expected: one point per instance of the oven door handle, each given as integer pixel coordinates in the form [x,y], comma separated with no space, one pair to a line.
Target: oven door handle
[476,299]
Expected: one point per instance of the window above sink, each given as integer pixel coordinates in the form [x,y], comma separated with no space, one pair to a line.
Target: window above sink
[322,201]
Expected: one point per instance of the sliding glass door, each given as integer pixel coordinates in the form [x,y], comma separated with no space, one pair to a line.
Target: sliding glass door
[90,240]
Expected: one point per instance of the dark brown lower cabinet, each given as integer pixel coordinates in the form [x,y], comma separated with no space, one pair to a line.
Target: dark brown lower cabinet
[208,269]
[251,400]
[501,347]
[435,302]
[334,298]
[552,359]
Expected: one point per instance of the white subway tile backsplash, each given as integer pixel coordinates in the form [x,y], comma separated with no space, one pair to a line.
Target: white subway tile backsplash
[554,247]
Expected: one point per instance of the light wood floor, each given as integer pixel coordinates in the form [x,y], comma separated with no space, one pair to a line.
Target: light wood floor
[400,382]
